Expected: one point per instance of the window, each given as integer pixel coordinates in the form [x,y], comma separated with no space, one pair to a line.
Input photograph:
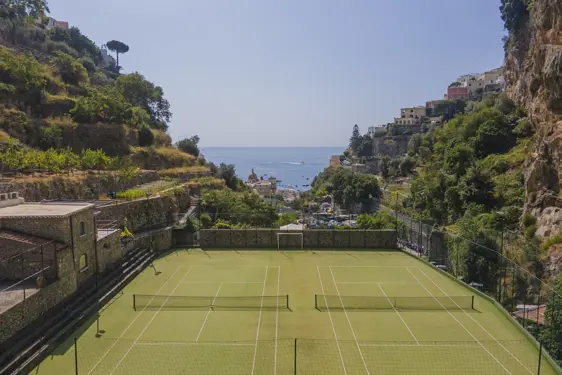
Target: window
[83,262]
[82,228]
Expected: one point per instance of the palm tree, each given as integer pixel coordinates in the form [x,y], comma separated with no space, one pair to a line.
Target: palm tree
[117,47]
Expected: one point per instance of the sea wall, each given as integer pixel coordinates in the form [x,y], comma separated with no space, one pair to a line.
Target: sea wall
[312,239]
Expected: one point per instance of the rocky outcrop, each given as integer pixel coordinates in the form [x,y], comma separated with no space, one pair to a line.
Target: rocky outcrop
[533,72]
[393,147]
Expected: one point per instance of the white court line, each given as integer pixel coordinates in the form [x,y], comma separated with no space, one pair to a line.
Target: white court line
[225,266]
[403,266]
[276,321]
[224,282]
[479,325]
[208,312]
[470,333]
[400,316]
[179,343]
[130,324]
[331,321]
[349,322]
[378,282]
[259,320]
[148,324]
[420,345]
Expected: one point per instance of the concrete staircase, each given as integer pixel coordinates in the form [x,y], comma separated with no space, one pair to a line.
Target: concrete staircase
[24,351]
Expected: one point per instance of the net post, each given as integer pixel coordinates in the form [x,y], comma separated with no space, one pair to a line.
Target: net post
[135,302]
[472,304]
[76,355]
[295,359]
[316,301]
[288,302]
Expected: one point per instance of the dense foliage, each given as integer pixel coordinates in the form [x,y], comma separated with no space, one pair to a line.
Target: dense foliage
[474,159]
[348,188]
[189,145]
[16,158]
[230,209]
[514,13]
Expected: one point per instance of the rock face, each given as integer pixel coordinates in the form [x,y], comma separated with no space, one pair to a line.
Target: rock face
[533,72]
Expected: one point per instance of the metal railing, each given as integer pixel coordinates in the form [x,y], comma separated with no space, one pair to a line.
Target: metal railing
[24,273]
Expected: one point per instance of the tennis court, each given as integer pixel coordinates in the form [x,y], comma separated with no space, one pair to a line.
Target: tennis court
[304,312]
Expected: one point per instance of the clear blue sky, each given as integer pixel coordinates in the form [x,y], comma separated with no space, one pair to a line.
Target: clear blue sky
[293,72]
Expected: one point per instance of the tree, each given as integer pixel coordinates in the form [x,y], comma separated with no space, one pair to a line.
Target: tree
[70,69]
[407,165]
[146,137]
[551,334]
[514,13]
[144,94]
[356,139]
[228,173]
[189,145]
[365,146]
[414,144]
[117,47]
[16,11]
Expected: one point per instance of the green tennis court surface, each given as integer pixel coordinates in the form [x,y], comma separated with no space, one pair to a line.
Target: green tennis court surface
[304,312]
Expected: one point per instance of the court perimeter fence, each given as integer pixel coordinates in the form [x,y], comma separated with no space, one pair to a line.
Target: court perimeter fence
[294,356]
[500,264]
[264,238]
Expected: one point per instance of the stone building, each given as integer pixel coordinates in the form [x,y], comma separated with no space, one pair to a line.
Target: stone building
[32,235]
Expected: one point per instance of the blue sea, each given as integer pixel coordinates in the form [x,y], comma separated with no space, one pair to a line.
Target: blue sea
[284,163]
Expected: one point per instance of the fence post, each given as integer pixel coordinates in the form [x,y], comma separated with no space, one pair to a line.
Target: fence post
[538,310]
[513,289]
[42,263]
[76,354]
[22,275]
[295,358]
[540,359]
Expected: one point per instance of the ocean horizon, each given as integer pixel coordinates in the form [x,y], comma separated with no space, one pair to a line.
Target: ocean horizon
[294,166]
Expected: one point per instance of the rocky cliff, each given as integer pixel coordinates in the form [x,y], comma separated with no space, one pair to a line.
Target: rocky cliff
[533,71]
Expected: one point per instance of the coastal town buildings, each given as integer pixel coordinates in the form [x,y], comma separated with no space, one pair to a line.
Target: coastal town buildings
[335,161]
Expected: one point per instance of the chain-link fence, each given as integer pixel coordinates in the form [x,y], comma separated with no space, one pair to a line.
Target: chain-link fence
[499,264]
[89,355]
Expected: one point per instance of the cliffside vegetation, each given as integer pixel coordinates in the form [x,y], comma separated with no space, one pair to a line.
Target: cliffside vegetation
[59,90]
[473,163]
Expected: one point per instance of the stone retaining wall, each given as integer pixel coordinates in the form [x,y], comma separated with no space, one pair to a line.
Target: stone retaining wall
[146,213]
[109,250]
[313,239]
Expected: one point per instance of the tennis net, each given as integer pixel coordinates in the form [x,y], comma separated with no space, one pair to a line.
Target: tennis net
[152,301]
[334,302]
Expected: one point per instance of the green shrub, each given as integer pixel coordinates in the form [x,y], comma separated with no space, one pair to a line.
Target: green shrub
[554,240]
[205,221]
[14,122]
[146,137]
[50,137]
[131,194]
[88,63]
[70,69]
[53,47]
[528,220]
[524,128]
[530,231]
